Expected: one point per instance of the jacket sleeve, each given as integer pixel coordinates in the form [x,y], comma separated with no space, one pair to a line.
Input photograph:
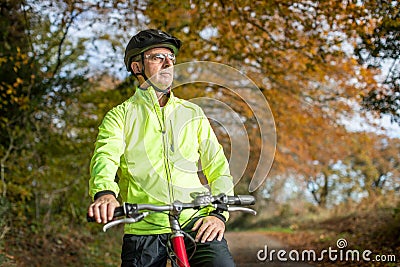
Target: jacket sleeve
[107,153]
[214,163]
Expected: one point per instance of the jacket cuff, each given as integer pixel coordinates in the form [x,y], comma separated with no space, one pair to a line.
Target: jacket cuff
[102,193]
[218,215]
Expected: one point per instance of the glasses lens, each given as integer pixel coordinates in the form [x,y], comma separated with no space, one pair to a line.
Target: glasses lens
[171,57]
[160,58]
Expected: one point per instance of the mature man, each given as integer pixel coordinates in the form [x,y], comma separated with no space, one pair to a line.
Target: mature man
[154,142]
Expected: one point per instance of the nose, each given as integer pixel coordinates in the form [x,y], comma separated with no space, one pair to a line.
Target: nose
[167,62]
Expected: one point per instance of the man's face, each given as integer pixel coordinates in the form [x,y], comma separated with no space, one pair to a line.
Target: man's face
[159,66]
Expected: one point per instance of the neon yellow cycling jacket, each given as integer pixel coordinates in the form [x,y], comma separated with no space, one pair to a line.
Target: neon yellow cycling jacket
[155,153]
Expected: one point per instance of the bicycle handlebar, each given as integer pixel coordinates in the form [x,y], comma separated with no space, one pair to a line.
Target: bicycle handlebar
[241,200]
[220,202]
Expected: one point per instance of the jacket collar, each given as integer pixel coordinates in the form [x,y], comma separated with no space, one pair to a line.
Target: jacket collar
[149,96]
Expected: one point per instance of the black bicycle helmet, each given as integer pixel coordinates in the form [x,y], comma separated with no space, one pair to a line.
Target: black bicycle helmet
[146,40]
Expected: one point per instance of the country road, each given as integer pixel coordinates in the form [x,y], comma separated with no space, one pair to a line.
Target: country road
[244,247]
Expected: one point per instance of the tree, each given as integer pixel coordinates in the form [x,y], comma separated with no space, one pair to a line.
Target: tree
[378,27]
[300,56]
[40,71]
[18,86]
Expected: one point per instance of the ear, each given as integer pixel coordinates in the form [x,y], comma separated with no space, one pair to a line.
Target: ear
[135,66]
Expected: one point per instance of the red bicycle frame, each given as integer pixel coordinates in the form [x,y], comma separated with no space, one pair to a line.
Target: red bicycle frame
[178,245]
[177,238]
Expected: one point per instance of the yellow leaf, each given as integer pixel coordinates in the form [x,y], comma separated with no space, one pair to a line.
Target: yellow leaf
[9,91]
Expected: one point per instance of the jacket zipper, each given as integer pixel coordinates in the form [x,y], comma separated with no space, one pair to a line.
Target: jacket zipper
[162,123]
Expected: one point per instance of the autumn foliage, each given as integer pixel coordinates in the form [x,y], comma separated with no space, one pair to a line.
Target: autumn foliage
[319,64]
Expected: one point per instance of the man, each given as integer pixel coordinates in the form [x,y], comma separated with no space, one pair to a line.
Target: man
[154,142]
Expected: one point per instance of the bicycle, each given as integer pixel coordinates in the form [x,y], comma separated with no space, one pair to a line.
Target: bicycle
[178,255]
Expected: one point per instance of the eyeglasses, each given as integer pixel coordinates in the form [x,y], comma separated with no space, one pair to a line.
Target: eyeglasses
[159,58]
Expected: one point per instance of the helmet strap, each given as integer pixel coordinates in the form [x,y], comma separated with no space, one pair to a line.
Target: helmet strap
[143,73]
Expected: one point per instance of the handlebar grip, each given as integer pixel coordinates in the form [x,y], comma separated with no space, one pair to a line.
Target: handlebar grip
[89,219]
[118,212]
[241,200]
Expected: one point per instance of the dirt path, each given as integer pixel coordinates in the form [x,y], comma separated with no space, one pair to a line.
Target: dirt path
[246,245]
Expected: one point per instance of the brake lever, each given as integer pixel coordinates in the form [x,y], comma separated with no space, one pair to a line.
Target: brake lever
[247,210]
[137,218]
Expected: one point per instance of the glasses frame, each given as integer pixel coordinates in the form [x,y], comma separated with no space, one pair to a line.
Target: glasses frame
[159,58]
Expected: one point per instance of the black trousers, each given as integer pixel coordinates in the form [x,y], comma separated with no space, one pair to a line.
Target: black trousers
[151,250]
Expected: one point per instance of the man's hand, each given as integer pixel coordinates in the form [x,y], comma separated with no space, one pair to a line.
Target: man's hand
[102,209]
[209,228]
